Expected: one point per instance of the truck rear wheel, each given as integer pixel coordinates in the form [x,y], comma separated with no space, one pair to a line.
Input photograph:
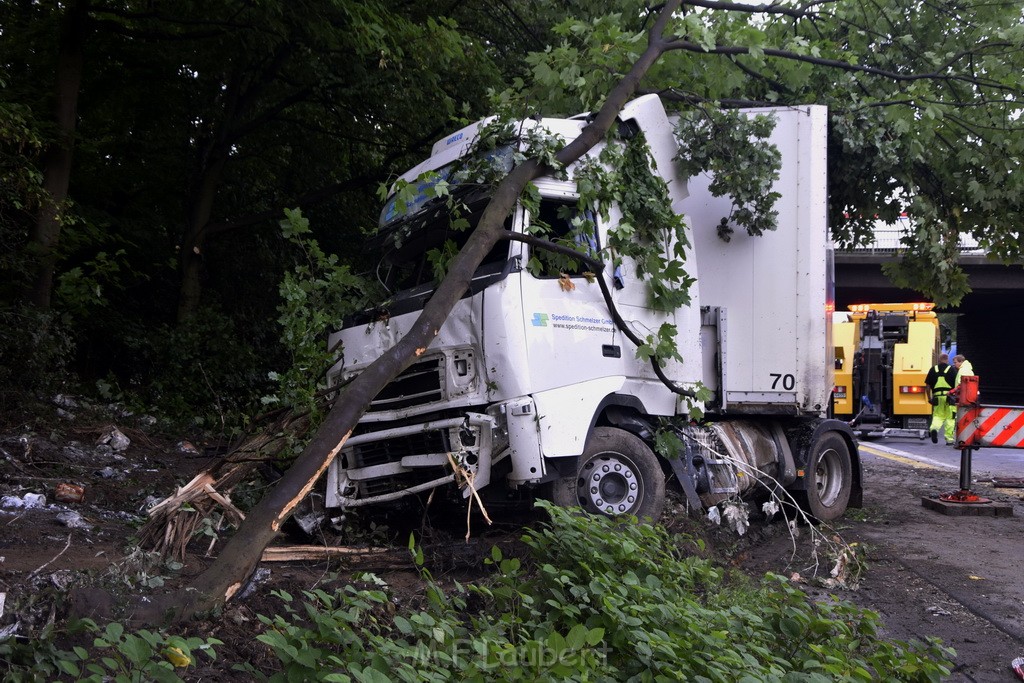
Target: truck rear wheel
[828,478]
[618,474]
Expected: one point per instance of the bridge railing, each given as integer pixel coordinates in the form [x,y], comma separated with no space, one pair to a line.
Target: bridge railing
[887,241]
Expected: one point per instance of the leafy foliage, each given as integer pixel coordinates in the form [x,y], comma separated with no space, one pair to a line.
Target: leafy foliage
[21,189]
[116,654]
[37,348]
[198,372]
[924,107]
[734,149]
[600,600]
[315,297]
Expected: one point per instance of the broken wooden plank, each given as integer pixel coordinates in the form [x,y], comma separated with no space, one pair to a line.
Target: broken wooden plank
[308,553]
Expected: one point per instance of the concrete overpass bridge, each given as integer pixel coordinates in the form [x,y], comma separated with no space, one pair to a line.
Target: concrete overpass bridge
[990,320]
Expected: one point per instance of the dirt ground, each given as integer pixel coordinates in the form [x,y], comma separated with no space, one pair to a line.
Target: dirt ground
[954,577]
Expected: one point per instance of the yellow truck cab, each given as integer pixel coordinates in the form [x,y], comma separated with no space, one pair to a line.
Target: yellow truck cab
[882,354]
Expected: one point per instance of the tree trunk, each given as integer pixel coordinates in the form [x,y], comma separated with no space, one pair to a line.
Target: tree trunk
[200,210]
[57,160]
[244,550]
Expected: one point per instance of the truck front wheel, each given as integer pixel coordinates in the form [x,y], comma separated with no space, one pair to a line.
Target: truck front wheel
[617,474]
[828,478]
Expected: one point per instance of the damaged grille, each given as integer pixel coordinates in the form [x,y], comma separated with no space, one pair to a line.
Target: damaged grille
[421,383]
[387,461]
[396,448]
[392,450]
[400,482]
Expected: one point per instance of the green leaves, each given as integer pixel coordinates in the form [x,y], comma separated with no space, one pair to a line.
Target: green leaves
[649,232]
[733,148]
[315,297]
[598,600]
[924,112]
[115,655]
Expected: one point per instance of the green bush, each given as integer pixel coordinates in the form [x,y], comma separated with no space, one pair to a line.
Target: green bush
[598,600]
[115,655]
[315,298]
[37,347]
[602,600]
[203,370]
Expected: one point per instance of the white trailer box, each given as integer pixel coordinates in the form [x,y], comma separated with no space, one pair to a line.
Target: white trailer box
[775,290]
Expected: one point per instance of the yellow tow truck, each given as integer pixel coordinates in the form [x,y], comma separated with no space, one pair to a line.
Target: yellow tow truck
[882,354]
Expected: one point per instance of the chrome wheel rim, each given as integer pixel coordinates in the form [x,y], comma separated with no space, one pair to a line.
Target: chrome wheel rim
[608,483]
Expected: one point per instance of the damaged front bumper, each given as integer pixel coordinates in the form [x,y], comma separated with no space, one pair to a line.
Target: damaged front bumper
[391,463]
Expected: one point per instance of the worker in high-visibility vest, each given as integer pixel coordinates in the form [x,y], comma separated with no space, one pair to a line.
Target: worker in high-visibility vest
[940,379]
[963,368]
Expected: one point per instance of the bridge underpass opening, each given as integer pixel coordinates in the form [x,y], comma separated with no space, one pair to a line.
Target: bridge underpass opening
[989,320]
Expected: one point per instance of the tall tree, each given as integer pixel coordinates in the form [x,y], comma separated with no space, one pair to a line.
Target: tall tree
[213,118]
[924,100]
[74,28]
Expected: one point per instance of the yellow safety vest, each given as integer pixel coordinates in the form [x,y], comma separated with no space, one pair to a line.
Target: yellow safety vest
[942,386]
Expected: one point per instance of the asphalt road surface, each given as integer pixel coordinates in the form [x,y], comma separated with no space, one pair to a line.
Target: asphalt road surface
[986,463]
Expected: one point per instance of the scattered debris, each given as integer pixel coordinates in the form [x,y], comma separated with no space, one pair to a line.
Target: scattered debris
[64,401]
[73,451]
[938,611]
[171,526]
[186,448]
[306,553]
[69,493]
[313,517]
[1008,482]
[29,500]
[109,473]
[73,520]
[114,438]
[149,502]
[737,516]
[260,576]
[1018,667]
[62,579]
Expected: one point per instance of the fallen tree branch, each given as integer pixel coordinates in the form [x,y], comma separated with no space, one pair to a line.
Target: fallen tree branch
[52,560]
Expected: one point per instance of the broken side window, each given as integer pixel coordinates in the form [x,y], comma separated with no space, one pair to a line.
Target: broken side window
[561,222]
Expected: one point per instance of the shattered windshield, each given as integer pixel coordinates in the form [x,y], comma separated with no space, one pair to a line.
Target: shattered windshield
[421,229]
[415,245]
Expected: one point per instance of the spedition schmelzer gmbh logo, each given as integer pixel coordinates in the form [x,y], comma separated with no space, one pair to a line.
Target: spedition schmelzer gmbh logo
[589,323]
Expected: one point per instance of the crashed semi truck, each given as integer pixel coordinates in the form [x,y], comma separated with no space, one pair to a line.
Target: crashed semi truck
[532,386]
[883,353]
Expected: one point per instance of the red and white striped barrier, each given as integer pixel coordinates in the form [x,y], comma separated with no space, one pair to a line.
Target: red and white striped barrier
[986,426]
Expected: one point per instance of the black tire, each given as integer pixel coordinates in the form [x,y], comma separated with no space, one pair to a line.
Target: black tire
[828,478]
[618,474]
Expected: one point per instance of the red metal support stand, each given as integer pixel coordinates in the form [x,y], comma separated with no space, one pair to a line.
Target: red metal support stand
[967,411]
[964,495]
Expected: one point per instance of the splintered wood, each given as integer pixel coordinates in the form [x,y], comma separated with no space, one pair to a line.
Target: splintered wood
[176,520]
[377,558]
